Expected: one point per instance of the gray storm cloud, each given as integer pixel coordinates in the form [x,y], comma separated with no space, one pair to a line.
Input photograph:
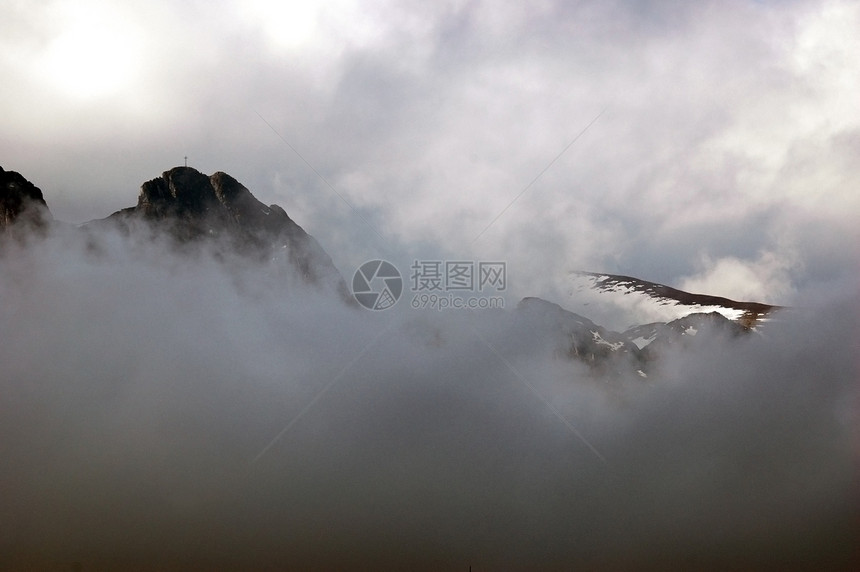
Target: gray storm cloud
[181,411]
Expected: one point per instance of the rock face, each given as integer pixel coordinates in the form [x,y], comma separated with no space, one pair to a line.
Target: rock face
[693,330]
[580,339]
[21,202]
[633,351]
[191,206]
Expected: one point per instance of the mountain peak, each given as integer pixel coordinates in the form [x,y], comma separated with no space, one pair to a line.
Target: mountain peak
[665,302]
[181,191]
[21,201]
[218,201]
[192,206]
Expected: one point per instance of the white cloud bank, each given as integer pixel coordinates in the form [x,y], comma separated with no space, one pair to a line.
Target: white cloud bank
[145,395]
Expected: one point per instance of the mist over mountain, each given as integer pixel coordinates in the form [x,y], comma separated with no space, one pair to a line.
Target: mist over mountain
[216,212]
[190,206]
[184,387]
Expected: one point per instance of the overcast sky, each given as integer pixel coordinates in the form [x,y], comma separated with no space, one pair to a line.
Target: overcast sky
[721,154]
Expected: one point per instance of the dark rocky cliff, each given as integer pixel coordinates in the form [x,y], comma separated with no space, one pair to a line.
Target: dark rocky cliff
[21,202]
[578,338]
[191,206]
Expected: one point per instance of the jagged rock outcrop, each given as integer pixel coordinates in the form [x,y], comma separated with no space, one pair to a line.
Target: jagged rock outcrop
[21,203]
[633,351]
[191,206]
[580,339]
[693,330]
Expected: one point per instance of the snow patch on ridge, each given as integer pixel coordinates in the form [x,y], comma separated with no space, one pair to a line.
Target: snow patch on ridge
[600,341]
[640,302]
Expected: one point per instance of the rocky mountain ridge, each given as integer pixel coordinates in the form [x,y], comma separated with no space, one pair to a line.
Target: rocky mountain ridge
[579,339]
[191,207]
[672,303]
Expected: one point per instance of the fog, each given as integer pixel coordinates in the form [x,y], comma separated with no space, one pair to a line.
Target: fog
[161,411]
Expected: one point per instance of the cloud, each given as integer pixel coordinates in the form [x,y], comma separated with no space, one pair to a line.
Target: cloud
[764,279]
[146,397]
[431,120]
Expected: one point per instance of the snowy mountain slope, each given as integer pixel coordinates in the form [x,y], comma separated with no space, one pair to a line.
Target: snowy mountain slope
[578,337]
[641,302]
[652,338]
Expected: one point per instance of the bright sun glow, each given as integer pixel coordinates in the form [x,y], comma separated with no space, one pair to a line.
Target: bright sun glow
[93,55]
[286,24]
